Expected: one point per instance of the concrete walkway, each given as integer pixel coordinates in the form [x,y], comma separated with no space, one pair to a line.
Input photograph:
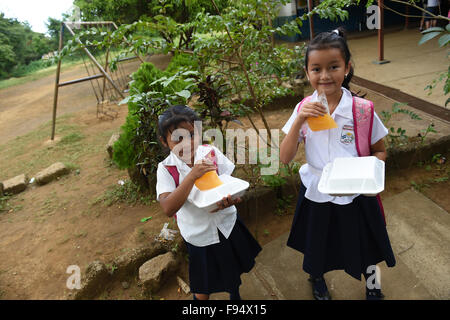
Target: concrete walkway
[412,66]
[418,230]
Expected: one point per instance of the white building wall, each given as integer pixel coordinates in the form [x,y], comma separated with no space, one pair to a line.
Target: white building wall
[288,10]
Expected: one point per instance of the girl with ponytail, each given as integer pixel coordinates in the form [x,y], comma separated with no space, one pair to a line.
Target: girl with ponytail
[335,232]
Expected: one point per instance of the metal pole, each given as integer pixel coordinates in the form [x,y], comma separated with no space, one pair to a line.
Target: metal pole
[381,33]
[104,80]
[58,71]
[311,22]
[66,83]
[98,65]
[407,17]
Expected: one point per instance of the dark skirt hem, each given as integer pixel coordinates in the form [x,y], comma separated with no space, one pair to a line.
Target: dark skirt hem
[218,267]
[340,237]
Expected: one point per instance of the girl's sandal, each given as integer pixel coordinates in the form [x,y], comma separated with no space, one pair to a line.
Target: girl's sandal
[375,294]
[319,288]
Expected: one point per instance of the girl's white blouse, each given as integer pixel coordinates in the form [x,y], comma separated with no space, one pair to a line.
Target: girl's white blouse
[322,147]
[197,226]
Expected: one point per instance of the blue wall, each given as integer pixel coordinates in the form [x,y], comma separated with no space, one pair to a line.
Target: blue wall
[356,20]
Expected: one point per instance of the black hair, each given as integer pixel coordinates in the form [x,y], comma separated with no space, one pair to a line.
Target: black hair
[333,39]
[173,116]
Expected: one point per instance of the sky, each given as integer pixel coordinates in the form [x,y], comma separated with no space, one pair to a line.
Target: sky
[36,12]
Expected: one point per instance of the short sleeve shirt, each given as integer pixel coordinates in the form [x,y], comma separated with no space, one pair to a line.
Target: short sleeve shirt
[432,3]
[322,147]
[197,226]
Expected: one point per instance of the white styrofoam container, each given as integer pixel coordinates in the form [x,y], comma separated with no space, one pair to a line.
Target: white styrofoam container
[348,176]
[208,199]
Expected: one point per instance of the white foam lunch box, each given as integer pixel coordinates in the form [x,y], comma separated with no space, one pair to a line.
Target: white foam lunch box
[208,199]
[348,176]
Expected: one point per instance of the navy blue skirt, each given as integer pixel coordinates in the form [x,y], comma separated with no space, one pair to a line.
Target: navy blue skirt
[218,267]
[340,237]
[433,10]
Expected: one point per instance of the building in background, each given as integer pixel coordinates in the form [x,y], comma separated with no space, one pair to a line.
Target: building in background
[357,18]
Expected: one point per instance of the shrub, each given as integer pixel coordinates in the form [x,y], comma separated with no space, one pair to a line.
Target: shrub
[151,92]
[125,154]
[182,60]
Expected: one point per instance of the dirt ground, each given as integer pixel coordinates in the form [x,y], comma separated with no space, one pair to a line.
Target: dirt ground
[65,223]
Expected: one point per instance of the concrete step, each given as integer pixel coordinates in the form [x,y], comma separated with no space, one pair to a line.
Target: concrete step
[418,230]
[278,275]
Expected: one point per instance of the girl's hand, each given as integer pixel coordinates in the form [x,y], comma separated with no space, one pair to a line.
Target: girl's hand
[226,202]
[201,167]
[311,109]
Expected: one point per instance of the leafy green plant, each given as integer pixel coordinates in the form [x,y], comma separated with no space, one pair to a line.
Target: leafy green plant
[283,203]
[239,50]
[440,179]
[4,206]
[182,60]
[112,268]
[242,51]
[397,136]
[443,41]
[280,179]
[436,157]
[151,92]
[295,65]
[212,92]
[419,186]
[273,181]
[424,133]
[433,32]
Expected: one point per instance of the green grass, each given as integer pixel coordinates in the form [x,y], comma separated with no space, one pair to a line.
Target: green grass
[29,153]
[128,193]
[36,75]
[4,206]
[71,138]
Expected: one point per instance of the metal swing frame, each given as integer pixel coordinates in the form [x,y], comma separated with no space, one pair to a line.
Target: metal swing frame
[102,70]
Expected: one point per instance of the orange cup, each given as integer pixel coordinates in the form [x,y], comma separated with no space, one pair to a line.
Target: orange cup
[324,122]
[208,181]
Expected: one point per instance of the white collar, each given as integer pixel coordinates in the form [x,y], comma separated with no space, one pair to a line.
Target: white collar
[173,160]
[344,108]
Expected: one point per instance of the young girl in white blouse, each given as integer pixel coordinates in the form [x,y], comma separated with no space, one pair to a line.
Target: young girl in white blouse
[219,245]
[335,233]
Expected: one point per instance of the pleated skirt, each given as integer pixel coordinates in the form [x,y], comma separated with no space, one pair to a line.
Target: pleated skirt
[340,237]
[218,267]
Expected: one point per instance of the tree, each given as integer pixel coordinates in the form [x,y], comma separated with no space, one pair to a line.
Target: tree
[19,45]
[129,11]
[54,27]
[119,11]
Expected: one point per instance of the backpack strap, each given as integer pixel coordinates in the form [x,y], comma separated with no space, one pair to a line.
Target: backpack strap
[306,99]
[176,177]
[363,114]
[299,105]
[174,173]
